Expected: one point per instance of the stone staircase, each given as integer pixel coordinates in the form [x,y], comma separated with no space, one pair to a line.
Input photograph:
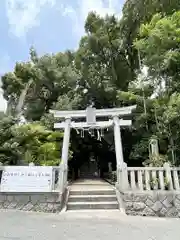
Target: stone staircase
[92,194]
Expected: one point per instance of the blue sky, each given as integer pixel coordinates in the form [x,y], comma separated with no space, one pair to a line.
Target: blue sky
[48,25]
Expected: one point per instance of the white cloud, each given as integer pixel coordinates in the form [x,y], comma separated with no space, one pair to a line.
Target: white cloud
[23,14]
[78,16]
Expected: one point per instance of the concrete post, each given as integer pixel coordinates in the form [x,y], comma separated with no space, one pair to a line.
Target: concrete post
[168,175]
[122,178]
[125,181]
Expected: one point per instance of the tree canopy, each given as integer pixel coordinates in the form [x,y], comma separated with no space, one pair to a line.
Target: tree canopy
[107,70]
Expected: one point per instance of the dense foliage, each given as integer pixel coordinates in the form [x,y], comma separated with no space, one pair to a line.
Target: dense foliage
[107,70]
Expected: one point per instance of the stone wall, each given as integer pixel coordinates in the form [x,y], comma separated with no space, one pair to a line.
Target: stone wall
[152,203]
[39,202]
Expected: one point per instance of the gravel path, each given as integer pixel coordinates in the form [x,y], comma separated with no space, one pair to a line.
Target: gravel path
[87,225]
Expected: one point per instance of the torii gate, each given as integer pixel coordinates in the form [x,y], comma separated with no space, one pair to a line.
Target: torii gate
[115,115]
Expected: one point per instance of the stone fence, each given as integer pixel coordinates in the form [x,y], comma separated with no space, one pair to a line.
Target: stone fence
[152,203]
[150,191]
[148,178]
[39,202]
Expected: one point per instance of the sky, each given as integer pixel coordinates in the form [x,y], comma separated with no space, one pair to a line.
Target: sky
[48,25]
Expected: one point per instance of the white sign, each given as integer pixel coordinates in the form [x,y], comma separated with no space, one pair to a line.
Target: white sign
[26,179]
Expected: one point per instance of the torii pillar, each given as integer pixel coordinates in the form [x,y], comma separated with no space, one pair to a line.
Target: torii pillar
[118,142]
[66,140]
[121,166]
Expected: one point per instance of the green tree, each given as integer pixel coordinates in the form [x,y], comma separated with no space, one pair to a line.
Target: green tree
[42,81]
[38,144]
[140,12]
[103,70]
[101,60]
[159,44]
[8,148]
[28,143]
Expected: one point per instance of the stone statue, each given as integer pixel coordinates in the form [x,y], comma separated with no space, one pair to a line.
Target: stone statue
[153,147]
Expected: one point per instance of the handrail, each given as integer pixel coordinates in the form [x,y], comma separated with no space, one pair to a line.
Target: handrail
[151,168]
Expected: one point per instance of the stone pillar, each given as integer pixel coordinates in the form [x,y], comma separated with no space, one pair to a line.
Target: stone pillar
[118,142]
[63,171]
[121,183]
[65,147]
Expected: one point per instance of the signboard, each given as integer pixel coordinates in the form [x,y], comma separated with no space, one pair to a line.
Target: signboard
[26,179]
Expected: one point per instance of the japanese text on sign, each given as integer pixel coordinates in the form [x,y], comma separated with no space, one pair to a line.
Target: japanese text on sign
[26,179]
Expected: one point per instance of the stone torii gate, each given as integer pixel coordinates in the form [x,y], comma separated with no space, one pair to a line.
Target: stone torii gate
[115,116]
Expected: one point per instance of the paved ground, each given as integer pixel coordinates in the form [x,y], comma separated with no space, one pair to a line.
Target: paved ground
[103,225]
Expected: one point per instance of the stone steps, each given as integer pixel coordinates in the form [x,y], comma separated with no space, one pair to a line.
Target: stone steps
[91,195]
[92,198]
[92,192]
[92,205]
